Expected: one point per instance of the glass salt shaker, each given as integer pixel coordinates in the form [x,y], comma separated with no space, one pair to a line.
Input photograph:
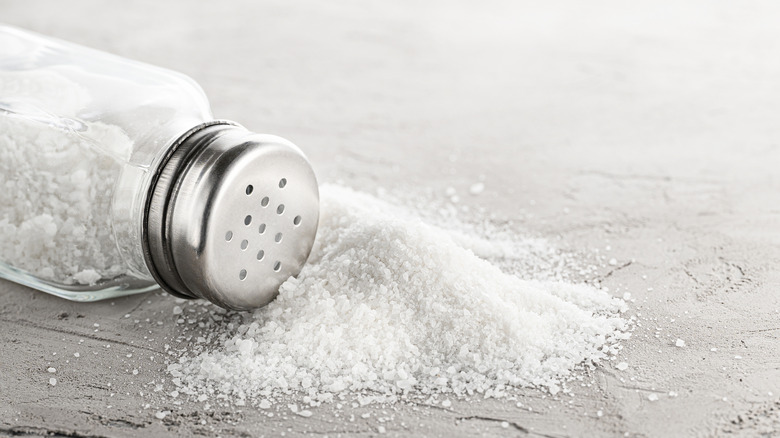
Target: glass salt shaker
[115,179]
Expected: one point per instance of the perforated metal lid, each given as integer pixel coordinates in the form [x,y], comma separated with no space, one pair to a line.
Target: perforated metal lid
[231,215]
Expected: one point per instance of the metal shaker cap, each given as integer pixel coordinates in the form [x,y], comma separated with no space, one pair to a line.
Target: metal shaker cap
[230,216]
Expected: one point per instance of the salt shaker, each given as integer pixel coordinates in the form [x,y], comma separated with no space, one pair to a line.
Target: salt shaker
[116,179]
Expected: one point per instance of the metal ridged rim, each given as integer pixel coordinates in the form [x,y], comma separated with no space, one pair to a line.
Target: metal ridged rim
[162,189]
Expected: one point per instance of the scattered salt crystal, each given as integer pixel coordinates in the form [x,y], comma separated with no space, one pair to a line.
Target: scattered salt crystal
[622,366]
[76,354]
[161,414]
[446,403]
[51,369]
[381,429]
[305,413]
[599,413]
[612,262]
[177,310]
[713,349]
[52,381]
[737,357]
[477,188]
[652,397]
[679,343]
[505,424]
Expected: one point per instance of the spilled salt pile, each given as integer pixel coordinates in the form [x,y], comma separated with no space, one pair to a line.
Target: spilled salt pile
[392,307]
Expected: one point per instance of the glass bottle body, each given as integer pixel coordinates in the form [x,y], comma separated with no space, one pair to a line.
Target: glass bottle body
[80,134]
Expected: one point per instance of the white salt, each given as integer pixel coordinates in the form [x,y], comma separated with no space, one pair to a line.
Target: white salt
[87,276]
[679,343]
[652,397]
[51,369]
[477,188]
[52,381]
[394,306]
[622,366]
[55,187]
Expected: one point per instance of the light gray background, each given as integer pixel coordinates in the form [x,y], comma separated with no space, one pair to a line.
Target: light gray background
[654,124]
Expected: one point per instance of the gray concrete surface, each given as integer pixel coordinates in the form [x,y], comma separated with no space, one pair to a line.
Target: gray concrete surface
[648,127]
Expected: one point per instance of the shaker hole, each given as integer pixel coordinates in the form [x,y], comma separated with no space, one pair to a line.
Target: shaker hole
[244,244]
[248,219]
[277,266]
[264,201]
[261,229]
[280,209]
[260,254]
[249,189]
[282,183]
[229,236]
[297,220]
[242,274]
[278,237]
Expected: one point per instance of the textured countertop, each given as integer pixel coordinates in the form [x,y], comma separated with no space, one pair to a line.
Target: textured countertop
[647,127]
